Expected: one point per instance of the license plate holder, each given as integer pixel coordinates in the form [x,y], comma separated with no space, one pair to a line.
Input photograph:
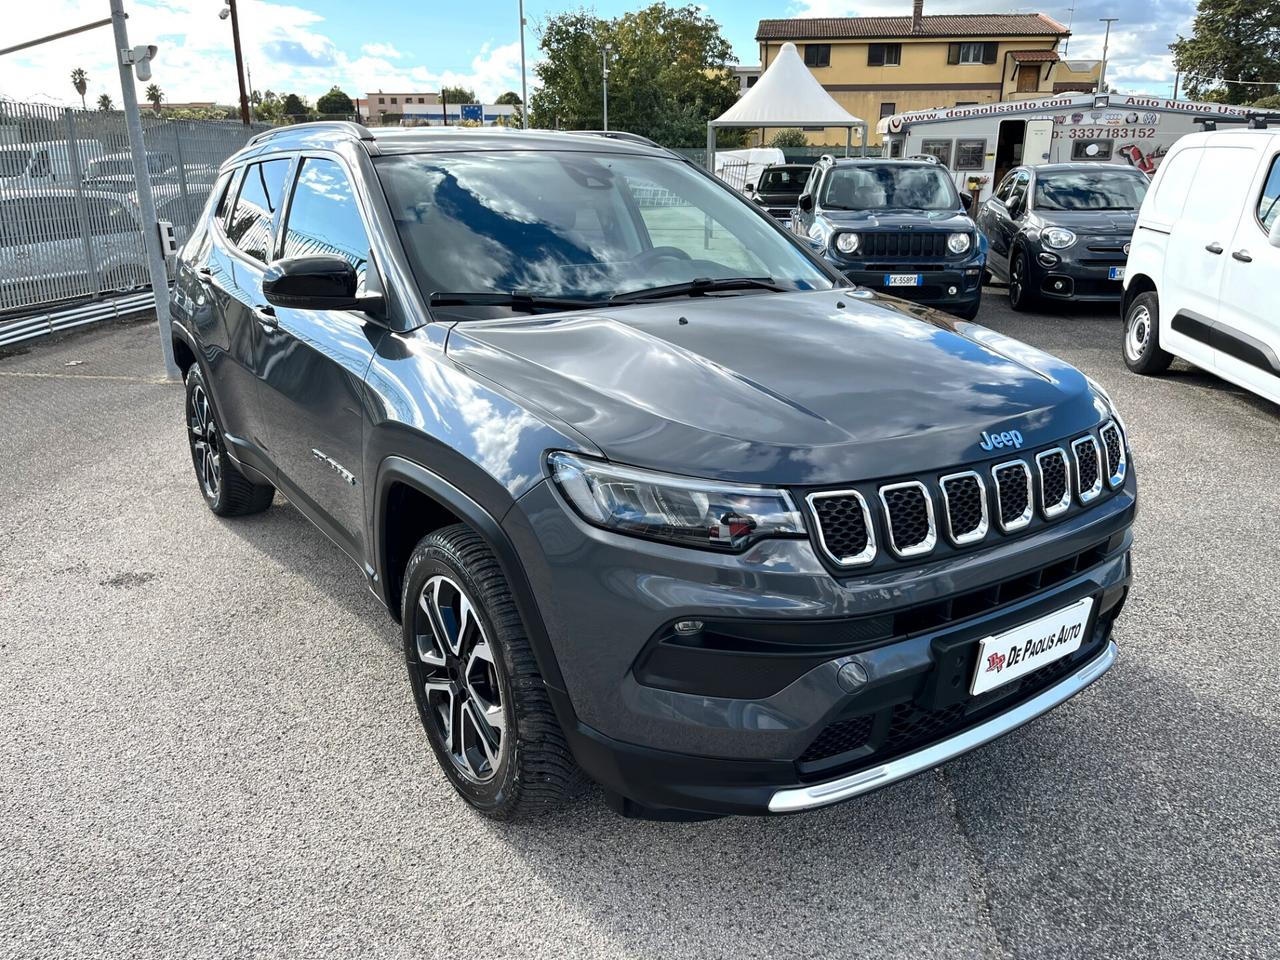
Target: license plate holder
[1011,654]
[904,279]
[1115,273]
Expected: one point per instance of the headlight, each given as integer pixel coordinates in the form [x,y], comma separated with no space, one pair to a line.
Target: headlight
[847,242]
[658,506]
[959,242]
[1057,237]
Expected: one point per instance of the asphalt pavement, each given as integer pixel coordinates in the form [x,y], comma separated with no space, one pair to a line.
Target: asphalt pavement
[208,747]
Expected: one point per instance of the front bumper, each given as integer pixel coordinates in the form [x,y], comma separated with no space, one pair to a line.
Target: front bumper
[938,280]
[715,730]
[1078,276]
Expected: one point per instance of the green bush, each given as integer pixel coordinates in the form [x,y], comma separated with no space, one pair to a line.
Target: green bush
[791,137]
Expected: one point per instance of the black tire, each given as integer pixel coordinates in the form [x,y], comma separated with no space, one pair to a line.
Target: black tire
[518,764]
[1141,338]
[227,491]
[969,312]
[988,277]
[1021,297]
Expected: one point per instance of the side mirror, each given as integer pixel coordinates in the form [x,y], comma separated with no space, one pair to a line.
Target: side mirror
[749,189]
[1273,235]
[322,282]
[806,202]
[966,201]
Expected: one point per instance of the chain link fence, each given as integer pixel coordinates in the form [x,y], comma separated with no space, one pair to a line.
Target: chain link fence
[70,225]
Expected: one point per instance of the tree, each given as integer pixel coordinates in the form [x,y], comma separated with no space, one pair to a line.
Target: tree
[155,95]
[267,106]
[1235,40]
[105,104]
[335,101]
[293,107]
[668,73]
[458,95]
[80,80]
[789,138]
[512,99]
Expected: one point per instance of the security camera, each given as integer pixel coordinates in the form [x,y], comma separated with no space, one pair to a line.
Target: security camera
[224,13]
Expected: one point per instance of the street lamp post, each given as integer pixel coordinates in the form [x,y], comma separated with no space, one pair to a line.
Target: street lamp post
[230,11]
[1106,41]
[524,81]
[604,60]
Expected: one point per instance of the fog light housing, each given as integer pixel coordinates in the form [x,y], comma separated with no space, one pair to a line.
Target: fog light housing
[688,628]
[1058,285]
[951,291]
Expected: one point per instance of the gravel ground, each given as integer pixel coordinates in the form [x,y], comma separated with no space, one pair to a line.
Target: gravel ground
[208,746]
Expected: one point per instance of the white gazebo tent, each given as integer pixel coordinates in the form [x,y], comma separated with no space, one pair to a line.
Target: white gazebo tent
[786,95]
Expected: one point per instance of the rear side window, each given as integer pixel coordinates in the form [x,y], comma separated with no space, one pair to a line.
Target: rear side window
[1269,202]
[324,218]
[255,209]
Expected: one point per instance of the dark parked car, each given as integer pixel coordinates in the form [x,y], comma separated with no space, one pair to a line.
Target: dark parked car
[1061,231]
[657,499]
[779,188]
[897,226]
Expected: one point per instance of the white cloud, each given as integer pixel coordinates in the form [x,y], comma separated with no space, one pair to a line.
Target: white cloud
[286,49]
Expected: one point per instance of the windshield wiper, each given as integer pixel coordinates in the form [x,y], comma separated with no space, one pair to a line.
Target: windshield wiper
[517,299]
[697,287]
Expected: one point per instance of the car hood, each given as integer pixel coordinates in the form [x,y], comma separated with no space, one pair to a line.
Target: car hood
[899,219]
[804,388]
[1101,222]
[778,196]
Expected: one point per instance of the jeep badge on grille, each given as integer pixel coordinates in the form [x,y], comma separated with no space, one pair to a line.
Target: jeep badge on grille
[1010,438]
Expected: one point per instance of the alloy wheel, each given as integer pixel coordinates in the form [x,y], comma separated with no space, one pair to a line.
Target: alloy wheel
[206,442]
[1016,279]
[1138,333]
[456,671]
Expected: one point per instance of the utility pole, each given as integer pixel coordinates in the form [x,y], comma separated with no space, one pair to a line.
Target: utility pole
[1106,42]
[126,56]
[524,77]
[604,60]
[235,42]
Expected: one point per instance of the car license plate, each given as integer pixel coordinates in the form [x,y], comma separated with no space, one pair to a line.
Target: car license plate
[1115,273]
[903,279]
[1015,653]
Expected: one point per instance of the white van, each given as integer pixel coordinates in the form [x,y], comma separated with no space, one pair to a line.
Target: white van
[1204,265]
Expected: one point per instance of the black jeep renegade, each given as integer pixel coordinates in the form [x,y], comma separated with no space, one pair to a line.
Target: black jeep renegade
[658,500]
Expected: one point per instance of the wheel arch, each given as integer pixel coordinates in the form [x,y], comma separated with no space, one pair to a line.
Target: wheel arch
[1139,284]
[410,502]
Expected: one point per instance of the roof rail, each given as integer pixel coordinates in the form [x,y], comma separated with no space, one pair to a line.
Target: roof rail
[620,135]
[1254,119]
[357,130]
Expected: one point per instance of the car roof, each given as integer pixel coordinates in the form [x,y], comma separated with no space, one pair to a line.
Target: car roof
[1080,165]
[789,166]
[881,162]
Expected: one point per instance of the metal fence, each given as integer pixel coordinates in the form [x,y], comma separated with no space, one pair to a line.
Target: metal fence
[70,225]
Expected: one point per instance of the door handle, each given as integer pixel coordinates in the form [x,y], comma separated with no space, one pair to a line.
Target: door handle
[267,317]
[1214,248]
[1242,255]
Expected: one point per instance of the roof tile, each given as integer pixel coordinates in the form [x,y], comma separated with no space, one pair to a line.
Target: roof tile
[941,25]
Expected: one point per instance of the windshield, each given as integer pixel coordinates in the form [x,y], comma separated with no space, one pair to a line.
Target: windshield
[1090,190]
[570,224]
[888,188]
[782,180]
[13,163]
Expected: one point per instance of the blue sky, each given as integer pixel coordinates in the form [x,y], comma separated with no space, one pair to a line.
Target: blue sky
[308,45]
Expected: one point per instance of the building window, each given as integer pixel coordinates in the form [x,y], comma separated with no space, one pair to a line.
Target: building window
[966,103]
[884,55]
[382,99]
[817,54]
[751,81]
[895,149]
[813,129]
[972,52]
[1091,149]
[422,100]
[937,148]
[971,154]
[393,100]
[888,110]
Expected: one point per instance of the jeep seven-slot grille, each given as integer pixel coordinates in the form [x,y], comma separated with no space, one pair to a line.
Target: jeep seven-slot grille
[1007,496]
[902,243]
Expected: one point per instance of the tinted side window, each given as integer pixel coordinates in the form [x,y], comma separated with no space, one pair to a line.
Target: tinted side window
[1269,202]
[256,207]
[1019,190]
[1005,188]
[324,218]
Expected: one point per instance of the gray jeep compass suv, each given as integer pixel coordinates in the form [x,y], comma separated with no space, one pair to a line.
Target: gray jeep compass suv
[659,501]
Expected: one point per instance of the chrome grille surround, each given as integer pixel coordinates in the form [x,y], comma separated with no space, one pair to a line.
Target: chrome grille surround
[869,552]
[1048,507]
[1113,439]
[1017,523]
[980,531]
[1084,449]
[931,536]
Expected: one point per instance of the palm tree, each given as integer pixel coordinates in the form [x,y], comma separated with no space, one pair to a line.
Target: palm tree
[155,95]
[105,104]
[80,80]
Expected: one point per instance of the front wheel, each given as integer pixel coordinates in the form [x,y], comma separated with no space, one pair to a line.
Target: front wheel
[479,694]
[227,491]
[1142,353]
[1021,296]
